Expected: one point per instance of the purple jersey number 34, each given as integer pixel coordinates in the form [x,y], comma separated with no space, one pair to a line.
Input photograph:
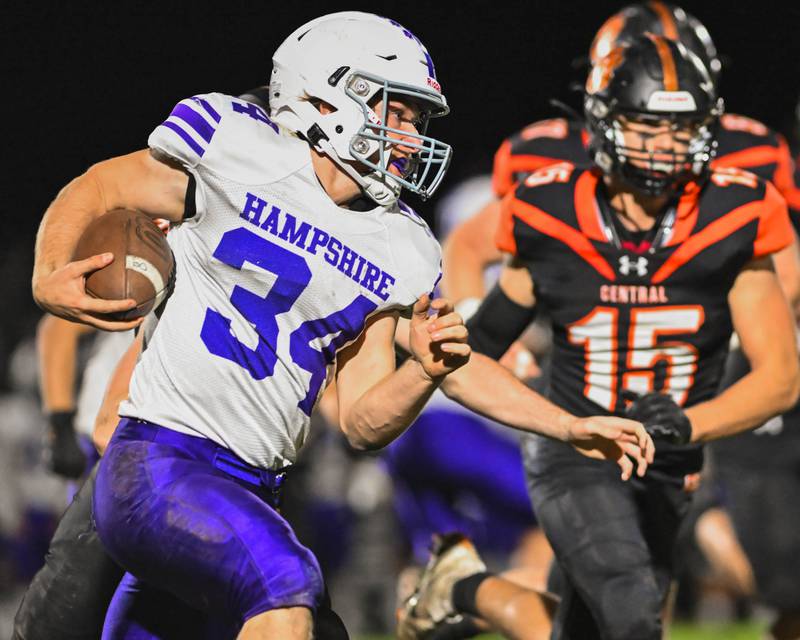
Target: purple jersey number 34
[292,277]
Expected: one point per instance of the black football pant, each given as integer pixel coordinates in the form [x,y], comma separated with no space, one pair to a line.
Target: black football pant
[68,597]
[613,541]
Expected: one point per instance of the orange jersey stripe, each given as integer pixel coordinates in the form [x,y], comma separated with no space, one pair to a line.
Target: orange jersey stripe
[503,177]
[555,228]
[667,63]
[750,157]
[774,233]
[504,238]
[784,175]
[586,206]
[666,19]
[501,174]
[686,215]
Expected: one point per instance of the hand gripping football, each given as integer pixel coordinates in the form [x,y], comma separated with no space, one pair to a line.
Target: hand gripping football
[143,266]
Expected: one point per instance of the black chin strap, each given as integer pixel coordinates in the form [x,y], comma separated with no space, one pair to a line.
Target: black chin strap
[617,234]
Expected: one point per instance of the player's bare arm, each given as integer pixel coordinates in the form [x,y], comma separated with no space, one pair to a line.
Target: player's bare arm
[764,324]
[376,402]
[787,268]
[486,387]
[117,390]
[137,181]
[467,252]
[57,350]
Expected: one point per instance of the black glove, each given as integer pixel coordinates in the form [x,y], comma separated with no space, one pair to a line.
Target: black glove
[662,418]
[62,452]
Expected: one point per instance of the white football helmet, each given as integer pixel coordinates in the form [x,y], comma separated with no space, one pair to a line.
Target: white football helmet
[352,60]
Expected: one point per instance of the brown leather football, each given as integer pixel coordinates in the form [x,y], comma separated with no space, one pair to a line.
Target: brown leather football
[143,266]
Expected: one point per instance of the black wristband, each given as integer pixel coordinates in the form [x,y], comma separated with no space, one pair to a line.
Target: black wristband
[465,591]
[497,323]
[61,421]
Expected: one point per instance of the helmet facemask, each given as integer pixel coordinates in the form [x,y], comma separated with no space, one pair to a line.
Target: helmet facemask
[422,171]
[654,170]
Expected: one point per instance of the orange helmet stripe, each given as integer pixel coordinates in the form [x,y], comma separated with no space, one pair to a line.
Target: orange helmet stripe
[666,18]
[667,62]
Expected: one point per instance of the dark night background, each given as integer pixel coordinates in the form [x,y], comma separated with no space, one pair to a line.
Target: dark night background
[85,81]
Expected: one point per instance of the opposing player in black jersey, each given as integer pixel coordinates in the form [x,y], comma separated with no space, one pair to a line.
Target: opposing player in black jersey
[645,262]
[742,143]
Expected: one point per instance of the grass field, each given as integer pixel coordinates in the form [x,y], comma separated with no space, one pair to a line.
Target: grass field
[679,632]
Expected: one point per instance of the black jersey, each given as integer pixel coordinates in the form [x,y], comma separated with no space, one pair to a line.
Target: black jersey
[644,316]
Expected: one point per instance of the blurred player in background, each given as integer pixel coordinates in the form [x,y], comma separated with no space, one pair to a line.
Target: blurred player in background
[645,264]
[742,142]
[69,595]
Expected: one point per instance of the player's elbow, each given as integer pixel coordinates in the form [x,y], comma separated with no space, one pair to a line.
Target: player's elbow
[787,389]
[360,435]
[364,440]
[793,389]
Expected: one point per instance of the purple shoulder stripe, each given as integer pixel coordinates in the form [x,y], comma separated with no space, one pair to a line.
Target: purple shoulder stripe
[194,120]
[184,136]
[209,109]
[408,210]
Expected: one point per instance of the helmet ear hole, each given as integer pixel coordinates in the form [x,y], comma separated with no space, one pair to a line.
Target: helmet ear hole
[323,107]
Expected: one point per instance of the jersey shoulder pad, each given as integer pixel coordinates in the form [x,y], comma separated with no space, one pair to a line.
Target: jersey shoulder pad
[415,252]
[555,139]
[737,133]
[550,187]
[548,198]
[539,144]
[229,136]
[735,197]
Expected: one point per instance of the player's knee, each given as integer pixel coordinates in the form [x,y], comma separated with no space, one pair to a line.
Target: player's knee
[298,583]
[631,609]
[293,623]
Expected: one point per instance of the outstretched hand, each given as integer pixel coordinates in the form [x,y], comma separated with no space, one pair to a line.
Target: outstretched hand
[624,441]
[438,337]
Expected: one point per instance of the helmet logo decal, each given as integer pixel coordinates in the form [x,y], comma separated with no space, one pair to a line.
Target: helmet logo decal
[671,101]
[603,71]
[428,59]
[626,265]
[606,38]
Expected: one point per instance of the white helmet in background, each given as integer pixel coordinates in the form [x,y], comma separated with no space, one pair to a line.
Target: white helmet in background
[353,60]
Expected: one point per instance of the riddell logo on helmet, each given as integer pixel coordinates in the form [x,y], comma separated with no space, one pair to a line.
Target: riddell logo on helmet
[671,101]
[435,85]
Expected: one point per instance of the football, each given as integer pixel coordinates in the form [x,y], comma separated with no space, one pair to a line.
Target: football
[143,267]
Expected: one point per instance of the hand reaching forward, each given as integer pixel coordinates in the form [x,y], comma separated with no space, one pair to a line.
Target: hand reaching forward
[611,438]
[438,340]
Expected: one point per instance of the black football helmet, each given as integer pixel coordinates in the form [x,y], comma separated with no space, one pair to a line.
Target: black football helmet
[661,19]
[653,81]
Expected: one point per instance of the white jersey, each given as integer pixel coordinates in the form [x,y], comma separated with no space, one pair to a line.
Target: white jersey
[107,349]
[272,278]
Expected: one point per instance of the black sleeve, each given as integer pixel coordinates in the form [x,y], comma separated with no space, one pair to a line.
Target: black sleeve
[190,205]
[497,323]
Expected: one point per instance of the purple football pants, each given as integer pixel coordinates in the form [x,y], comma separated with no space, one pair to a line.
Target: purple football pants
[453,472]
[198,532]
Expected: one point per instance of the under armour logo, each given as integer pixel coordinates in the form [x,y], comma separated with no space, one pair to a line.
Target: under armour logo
[626,265]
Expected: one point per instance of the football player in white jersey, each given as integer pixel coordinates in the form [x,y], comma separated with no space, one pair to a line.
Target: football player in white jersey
[282,272]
